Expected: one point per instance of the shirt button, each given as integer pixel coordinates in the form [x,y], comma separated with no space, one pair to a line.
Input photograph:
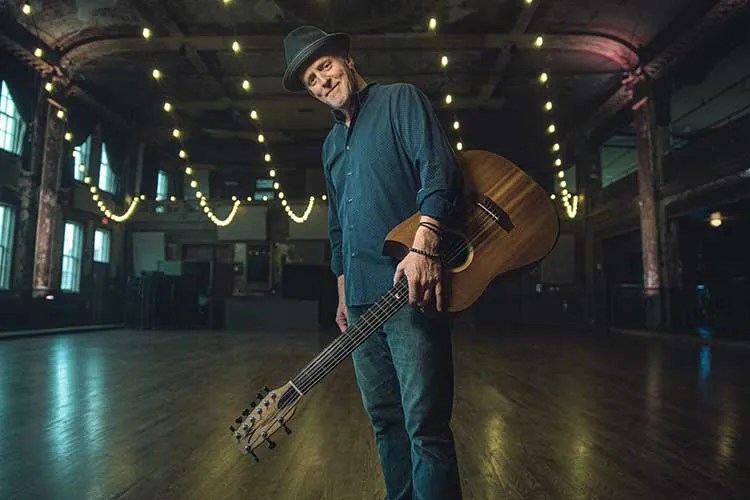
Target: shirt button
[351,226]
[354,254]
[349,200]
[348,148]
[348,173]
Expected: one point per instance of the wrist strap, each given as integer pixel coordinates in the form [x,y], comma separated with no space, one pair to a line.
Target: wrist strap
[432,227]
[425,253]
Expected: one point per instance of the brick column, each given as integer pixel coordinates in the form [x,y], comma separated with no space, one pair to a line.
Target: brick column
[49,222]
[649,177]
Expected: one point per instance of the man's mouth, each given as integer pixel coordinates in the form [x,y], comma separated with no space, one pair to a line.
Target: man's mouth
[334,88]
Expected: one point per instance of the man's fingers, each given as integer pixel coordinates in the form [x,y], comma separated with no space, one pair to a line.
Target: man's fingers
[427,295]
[439,296]
[399,273]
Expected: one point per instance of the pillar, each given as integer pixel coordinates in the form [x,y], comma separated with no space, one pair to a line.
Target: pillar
[649,176]
[49,225]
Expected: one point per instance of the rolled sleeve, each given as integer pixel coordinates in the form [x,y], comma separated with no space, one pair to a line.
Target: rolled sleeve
[429,152]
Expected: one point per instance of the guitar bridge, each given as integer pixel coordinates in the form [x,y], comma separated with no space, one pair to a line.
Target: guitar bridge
[492,209]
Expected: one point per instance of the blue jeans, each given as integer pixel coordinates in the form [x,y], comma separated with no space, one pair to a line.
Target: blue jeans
[405,375]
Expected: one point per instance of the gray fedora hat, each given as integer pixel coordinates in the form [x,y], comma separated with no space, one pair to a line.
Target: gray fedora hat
[301,45]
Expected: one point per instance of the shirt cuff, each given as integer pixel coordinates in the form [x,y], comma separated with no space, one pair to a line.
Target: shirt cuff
[437,206]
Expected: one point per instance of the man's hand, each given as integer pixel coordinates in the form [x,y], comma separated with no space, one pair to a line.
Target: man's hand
[341,320]
[425,279]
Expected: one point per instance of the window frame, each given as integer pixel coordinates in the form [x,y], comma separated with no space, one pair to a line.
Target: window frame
[77,244]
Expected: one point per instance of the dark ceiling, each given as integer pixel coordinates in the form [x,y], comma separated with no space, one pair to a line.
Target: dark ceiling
[589,47]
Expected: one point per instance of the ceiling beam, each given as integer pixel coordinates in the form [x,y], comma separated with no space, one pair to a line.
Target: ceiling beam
[503,58]
[305,101]
[85,51]
[692,36]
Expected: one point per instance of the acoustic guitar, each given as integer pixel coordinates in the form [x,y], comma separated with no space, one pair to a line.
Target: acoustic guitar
[508,223]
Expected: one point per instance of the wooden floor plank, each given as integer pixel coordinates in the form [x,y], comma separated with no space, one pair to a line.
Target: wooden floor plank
[144,414]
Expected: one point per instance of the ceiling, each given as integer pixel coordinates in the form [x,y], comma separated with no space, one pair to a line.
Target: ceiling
[589,47]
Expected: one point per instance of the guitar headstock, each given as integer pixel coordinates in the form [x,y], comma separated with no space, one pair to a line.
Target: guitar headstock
[257,423]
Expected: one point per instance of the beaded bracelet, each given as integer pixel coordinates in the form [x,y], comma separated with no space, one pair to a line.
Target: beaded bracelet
[425,253]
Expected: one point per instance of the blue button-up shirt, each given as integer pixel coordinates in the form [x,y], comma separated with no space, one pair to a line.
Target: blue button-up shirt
[392,161]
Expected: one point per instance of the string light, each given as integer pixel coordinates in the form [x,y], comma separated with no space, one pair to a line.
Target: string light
[432,24]
[539,42]
[551,129]
[253,115]
[146,33]
[236,46]
[167,106]
[49,87]
[26,9]
[68,136]
[456,125]
[556,147]
[246,85]
[548,106]
[38,52]
[267,157]
[544,78]
[448,99]
[444,61]
[156,74]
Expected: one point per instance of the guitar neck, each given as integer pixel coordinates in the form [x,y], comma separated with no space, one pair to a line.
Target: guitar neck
[345,344]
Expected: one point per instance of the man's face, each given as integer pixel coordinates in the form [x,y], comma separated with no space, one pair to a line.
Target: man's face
[329,79]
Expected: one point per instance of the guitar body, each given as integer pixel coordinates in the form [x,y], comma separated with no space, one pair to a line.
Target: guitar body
[507,223]
[519,230]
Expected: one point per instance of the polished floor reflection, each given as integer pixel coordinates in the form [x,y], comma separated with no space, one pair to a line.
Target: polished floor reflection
[142,415]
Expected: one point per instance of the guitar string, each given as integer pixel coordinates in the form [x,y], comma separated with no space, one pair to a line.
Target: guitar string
[307,379]
[370,317]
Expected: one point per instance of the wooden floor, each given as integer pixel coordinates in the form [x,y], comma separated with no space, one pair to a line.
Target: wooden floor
[142,415]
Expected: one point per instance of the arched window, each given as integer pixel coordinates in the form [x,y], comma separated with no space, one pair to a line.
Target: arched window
[11,125]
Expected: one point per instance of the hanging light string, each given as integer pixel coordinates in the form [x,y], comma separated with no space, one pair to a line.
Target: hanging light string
[262,137]
[569,200]
[448,98]
[28,11]
[179,134]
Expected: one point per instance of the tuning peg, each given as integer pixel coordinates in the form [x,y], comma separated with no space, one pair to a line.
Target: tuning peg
[232,429]
[238,420]
[266,389]
[253,404]
[271,444]
[246,412]
[259,396]
[286,429]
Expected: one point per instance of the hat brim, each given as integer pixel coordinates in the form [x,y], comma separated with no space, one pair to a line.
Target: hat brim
[336,41]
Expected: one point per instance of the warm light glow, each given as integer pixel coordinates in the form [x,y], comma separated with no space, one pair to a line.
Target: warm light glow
[432,24]
[298,219]
[565,192]
[283,203]
[246,84]
[444,61]
[188,171]
[324,197]
[193,184]
[548,106]
[198,194]
[156,74]
[561,174]
[544,77]
[551,129]
[528,2]
[716,219]
[49,87]
[60,114]
[146,33]
[276,186]
[183,154]
[167,106]
[556,147]
[254,115]
[456,125]
[38,52]
[558,162]
[176,133]
[82,168]
[552,196]
[172,198]
[234,198]
[236,46]
[68,136]
[93,189]
[86,180]
[128,212]
[459,146]
[143,197]
[265,198]
[448,99]
[267,157]
[272,173]
[539,41]
[261,138]
[563,184]
[281,195]
[26,9]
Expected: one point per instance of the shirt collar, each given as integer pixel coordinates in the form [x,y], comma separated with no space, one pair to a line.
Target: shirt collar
[359,98]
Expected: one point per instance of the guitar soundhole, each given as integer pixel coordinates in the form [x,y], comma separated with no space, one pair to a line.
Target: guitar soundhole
[456,251]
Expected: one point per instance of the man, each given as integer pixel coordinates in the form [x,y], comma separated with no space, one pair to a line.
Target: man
[386,158]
